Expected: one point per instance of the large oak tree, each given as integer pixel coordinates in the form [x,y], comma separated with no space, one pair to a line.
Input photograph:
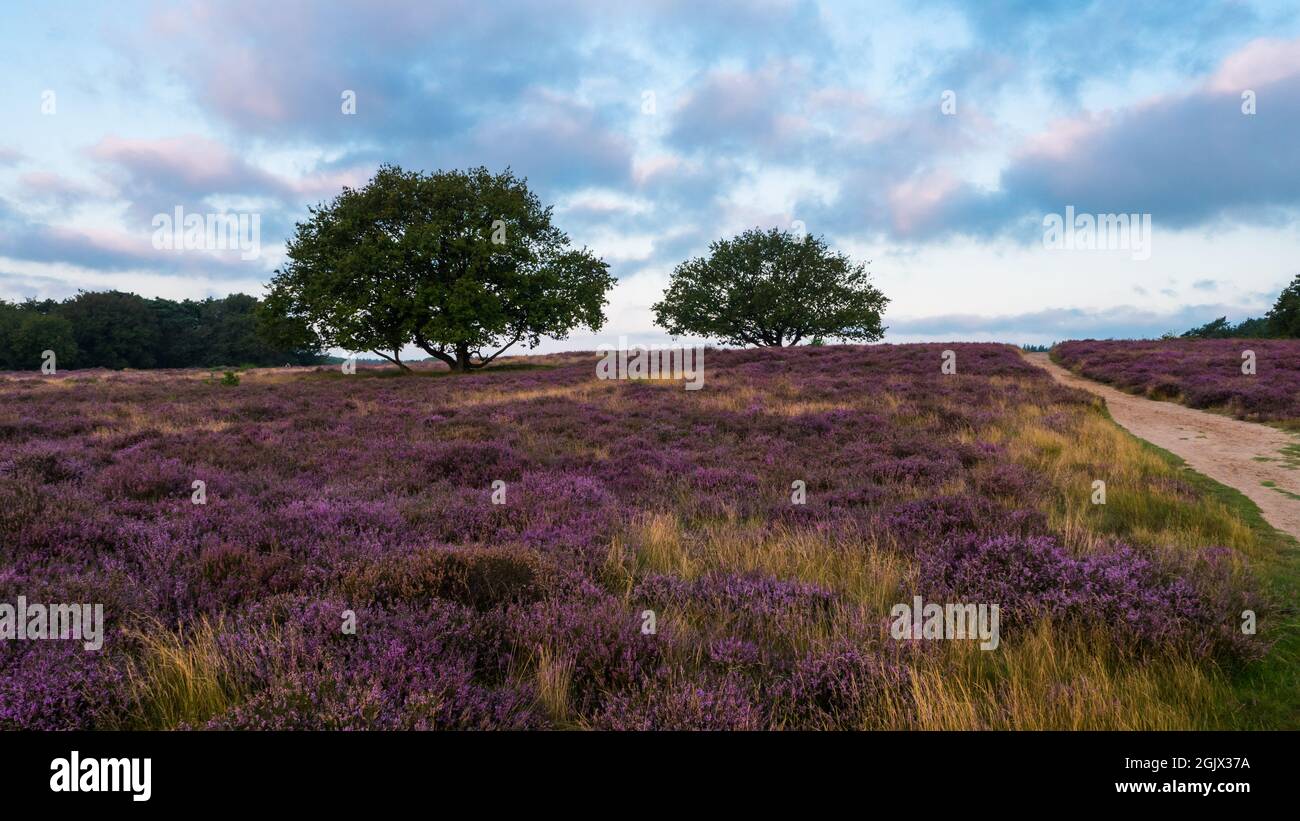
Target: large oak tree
[463,264]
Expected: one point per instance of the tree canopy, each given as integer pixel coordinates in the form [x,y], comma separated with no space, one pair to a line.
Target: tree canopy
[1221,328]
[1284,318]
[114,329]
[772,288]
[462,264]
[25,334]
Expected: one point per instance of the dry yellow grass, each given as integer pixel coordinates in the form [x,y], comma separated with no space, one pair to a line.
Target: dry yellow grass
[553,674]
[1052,680]
[863,571]
[130,418]
[577,392]
[181,677]
[1143,504]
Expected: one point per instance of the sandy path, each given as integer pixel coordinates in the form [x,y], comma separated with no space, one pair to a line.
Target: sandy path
[1222,448]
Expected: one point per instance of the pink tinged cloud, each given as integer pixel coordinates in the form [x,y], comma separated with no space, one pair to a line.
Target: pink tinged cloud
[203,164]
[649,169]
[917,202]
[330,183]
[240,88]
[138,247]
[759,104]
[1063,157]
[196,161]
[1259,63]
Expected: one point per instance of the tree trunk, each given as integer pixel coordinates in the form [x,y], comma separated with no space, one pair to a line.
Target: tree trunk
[461,358]
[437,353]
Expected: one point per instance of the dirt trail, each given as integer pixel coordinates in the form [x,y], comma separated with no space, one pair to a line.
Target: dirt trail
[1225,449]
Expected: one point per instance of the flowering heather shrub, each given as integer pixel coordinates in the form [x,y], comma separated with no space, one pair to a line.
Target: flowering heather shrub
[412,667]
[923,522]
[561,511]
[732,653]
[23,503]
[843,688]
[757,605]
[463,463]
[713,703]
[328,493]
[56,685]
[1144,606]
[1201,373]
[599,637]
[731,594]
[481,578]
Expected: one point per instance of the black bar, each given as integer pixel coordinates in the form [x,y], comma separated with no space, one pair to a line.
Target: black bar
[557,770]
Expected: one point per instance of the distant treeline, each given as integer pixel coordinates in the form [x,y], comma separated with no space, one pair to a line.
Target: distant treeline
[1282,322]
[112,329]
[1221,328]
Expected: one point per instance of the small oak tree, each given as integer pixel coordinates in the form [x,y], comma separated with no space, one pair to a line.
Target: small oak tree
[772,288]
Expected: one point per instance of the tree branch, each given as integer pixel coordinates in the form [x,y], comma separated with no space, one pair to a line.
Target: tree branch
[484,362]
[396,359]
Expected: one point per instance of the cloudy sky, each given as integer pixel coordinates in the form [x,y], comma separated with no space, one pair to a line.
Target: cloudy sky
[931,139]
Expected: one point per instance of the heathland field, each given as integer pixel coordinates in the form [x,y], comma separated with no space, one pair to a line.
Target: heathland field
[530,546]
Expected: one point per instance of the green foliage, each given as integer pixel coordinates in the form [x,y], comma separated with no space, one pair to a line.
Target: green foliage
[180,336]
[119,330]
[25,334]
[457,262]
[1221,328]
[234,331]
[1256,328]
[113,329]
[1217,329]
[1284,318]
[295,341]
[1283,321]
[771,288]
[230,379]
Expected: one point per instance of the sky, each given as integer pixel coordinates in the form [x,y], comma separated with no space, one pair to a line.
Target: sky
[931,140]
